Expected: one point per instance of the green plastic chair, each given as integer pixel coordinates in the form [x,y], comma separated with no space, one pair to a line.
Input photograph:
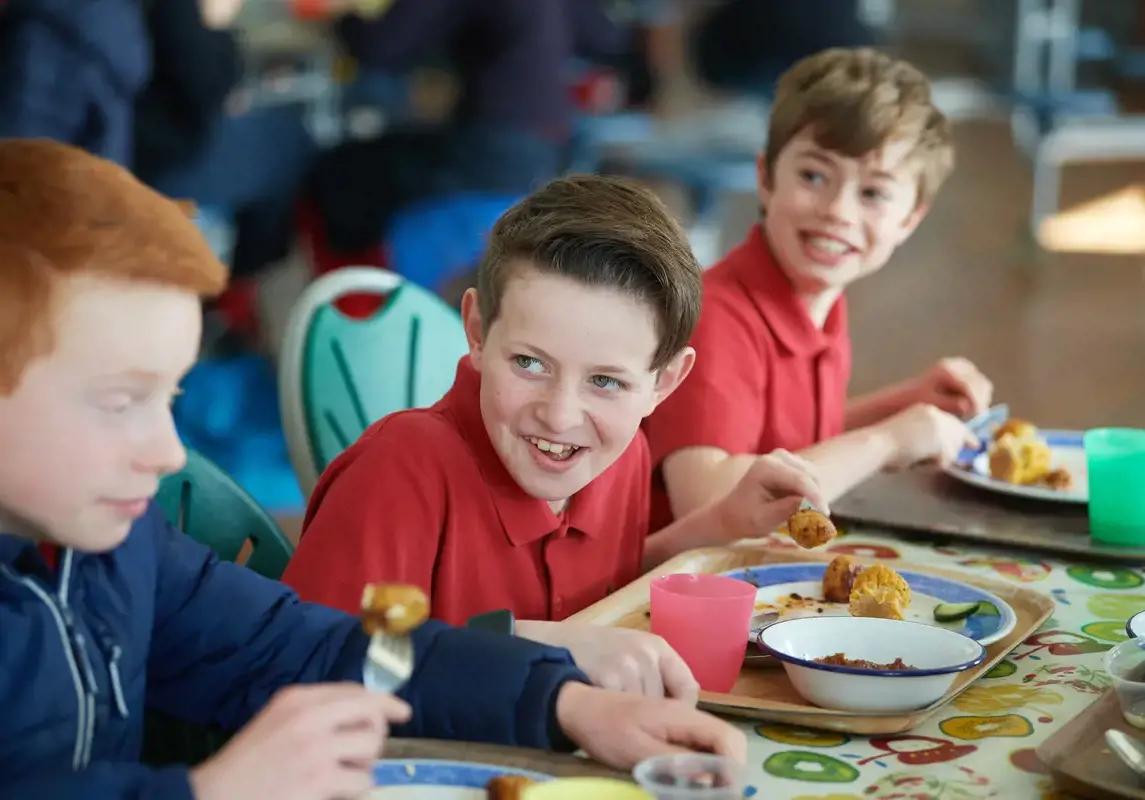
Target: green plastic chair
[339,375]
[206,504]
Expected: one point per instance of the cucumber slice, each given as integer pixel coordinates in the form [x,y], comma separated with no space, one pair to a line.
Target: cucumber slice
[988,609]
[952,612]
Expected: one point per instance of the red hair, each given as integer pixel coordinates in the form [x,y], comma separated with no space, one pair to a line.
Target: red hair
[65,212]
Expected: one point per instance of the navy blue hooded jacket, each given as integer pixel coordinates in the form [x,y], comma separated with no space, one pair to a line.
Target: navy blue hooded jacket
[70,70]
[160,622]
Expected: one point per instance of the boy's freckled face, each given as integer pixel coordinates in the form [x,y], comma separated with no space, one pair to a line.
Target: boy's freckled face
[565,379]
[831,219]
[88,432]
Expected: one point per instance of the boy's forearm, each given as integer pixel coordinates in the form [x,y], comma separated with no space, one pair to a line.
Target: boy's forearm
[842,463]
[697,476]
[872,408]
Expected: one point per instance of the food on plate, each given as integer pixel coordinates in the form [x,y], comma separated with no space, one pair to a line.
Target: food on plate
[838,579]
[1020,455]
[1018,428]
[393,608]
[877,601]
[840,660]
[953,612]
[1059,479]
[810,528]
[879,591]
[507,787]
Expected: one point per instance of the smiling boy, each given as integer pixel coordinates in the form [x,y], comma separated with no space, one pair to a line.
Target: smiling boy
[527,486]
[856,152]
[106,610]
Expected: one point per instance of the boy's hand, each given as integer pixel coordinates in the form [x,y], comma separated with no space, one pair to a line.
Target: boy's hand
[620,659]
[768,494]
[624,729]
[315,742]
[956,386]
[924,432]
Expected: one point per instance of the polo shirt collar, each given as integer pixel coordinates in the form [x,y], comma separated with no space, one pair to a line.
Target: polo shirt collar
[774,297]
[524,518]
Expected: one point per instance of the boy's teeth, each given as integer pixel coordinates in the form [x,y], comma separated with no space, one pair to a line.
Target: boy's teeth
[828,245]
[551,447]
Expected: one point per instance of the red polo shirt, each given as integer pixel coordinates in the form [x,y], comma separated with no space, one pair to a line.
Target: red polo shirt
[765,377]
[423,498]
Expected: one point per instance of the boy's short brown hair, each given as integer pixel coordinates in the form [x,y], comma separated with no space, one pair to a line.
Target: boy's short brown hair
[65,212]
[856,100]
[599,231]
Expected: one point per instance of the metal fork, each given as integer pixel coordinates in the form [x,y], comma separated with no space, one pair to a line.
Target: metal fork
[389,662]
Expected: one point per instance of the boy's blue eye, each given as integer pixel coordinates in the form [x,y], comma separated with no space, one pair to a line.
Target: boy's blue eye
[811,176]
[606,382]
[527,363]
[875,194]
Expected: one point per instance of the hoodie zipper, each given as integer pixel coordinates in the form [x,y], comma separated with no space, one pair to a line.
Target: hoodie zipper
[65,626]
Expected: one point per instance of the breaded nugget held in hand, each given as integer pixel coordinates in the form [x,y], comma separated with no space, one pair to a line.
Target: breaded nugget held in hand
[395,609]
[810,528]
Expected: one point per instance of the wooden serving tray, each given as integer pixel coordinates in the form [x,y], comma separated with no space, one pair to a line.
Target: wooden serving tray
[1081,763]
[766,693]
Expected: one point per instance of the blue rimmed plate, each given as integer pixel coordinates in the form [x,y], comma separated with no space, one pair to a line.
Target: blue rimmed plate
[432,779]
[796,590]
[1068,451]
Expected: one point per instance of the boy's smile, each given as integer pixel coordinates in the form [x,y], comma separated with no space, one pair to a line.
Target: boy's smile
[565,379]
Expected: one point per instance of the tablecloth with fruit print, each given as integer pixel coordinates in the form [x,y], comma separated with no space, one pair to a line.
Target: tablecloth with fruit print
[982,744]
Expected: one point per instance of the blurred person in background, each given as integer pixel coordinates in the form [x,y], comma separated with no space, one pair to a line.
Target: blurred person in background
[745,45]
[195,139]
[70,71]
[510,129]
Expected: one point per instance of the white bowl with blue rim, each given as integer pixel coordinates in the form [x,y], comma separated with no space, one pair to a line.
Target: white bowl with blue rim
[434,779]
[1135,627]
[936,657]
[943,602]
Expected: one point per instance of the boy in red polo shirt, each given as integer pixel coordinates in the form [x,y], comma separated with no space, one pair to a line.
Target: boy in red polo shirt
[527,486]
[855,154]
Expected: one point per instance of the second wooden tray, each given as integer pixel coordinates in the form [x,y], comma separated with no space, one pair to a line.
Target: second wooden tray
[766,693]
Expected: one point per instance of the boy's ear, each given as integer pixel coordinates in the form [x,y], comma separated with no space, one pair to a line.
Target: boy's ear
[672,376]
[188,207]
[763,181]
[471,319]
[912,221]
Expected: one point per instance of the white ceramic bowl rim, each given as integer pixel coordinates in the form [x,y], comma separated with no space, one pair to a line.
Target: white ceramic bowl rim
[882,673]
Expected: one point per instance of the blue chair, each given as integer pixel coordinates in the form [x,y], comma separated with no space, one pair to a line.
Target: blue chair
[434,241]
[338,375]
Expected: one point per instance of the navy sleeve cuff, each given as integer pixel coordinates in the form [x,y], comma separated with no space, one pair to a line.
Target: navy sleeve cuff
[482,687]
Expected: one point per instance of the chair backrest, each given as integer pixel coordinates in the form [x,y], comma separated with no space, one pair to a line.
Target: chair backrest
[206,504]
[338,375]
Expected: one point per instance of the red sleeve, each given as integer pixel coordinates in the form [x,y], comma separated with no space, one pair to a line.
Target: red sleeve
[376,514]
[720,403]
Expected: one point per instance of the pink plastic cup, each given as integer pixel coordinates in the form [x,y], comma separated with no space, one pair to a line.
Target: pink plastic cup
[705,618]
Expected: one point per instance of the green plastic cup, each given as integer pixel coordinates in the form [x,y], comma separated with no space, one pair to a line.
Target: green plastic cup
[1115,460]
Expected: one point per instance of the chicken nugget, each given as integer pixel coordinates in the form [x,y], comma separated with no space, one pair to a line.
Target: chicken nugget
[808,528]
